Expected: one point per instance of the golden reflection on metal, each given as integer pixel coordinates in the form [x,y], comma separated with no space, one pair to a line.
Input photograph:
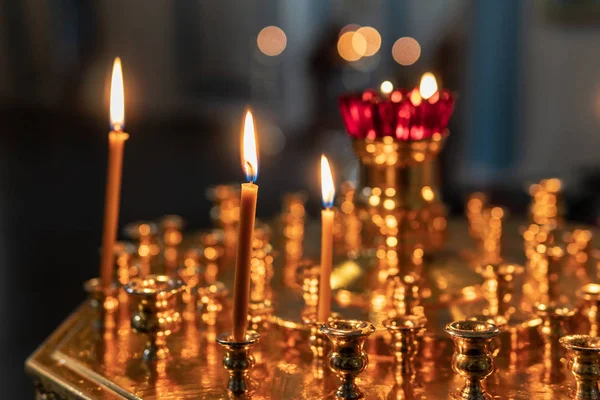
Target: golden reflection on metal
[125,261]
[491,239]
[405,331]
[400,179]
[472,358]
[211,300]
[308,276]
[474,211]
[347,359]
[373,283]
[585,364]
[261,273]
[145,234]
[293,219]
[225,213]
[499,287]
[156,316]
[547,206]
[212,254]
[347,224]
[555,317]
[406,295]
[171,226]
[104,302]
[238,361]
[501,322]
[317,342]
[590,294]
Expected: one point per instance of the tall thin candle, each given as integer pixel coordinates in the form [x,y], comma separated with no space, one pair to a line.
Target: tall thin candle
[116,144]
[241,287]
[327,215]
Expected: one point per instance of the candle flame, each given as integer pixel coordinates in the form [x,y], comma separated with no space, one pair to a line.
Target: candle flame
[249,152]
[117,97]
[428,85]
[327,187]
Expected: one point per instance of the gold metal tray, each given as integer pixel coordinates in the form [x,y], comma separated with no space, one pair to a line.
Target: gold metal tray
[78,362]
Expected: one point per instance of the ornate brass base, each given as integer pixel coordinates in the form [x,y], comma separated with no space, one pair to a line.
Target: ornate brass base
[472,358]
[585,364]
[238,360]
[104,301]
[156,316]
[347,357]
[399,193]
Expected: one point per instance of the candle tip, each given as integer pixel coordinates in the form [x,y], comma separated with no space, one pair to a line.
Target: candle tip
[327,187]
[117,97]
[249,149]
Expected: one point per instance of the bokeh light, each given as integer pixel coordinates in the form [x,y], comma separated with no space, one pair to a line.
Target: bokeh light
[428,85]
[406,51]
[372,39]
[351,46]
[271,41]
[359,44]
[386,87]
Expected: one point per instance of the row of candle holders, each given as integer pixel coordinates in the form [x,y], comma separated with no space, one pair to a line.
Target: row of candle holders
[339,342]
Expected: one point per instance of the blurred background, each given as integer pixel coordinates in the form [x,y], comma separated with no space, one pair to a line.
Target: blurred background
[527,74]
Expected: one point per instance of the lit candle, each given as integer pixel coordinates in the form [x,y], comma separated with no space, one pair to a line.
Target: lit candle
[428,86]
[116,144]
[327,215]
[241,288]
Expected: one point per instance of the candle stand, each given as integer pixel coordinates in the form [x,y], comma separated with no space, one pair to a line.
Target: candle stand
[472,358]
[585,364]
[238,360]
[156,316]
[78,362]
[104,302]
[389,273]
[347,357]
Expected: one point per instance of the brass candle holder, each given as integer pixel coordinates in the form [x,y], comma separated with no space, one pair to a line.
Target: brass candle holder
[472,358]
[347,357]
[405,331]
[261,273]
[554,317]
[171,226]
[405,295]
[156,316]
[125,253]
[501,322]
[474,212]
[307,276]
[210,301]
[238,360]
[584,364]
[144,234]
[317,341]
[395,176]
[104,301]
[499,285]
[590,295]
